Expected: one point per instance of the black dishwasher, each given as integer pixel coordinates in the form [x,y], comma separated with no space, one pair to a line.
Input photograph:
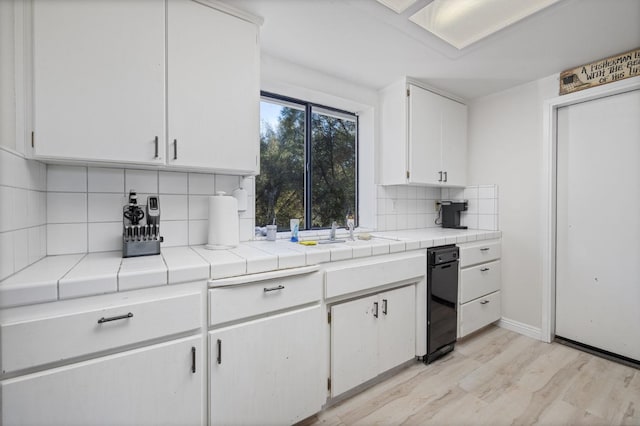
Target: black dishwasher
[442,299]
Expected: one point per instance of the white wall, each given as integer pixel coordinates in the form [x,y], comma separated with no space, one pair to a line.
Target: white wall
[505,148]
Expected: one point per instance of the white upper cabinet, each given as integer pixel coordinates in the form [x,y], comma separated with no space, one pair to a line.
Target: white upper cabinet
[138,82]
[213,89]
[423,137]
[99,78]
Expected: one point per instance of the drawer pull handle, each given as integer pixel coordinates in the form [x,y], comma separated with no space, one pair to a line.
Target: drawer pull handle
[485,249]
[119,317]
[484,269]
[193,359]
[484,302]
[384,306]
[375,309]
[156,144]
[280,287]
[219,358]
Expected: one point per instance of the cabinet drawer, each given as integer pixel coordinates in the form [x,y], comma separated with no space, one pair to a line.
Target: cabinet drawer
[59,331]
[479,312]
[232,303]
[479,252]
[479,280]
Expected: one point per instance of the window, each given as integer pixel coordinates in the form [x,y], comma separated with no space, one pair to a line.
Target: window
[308,164]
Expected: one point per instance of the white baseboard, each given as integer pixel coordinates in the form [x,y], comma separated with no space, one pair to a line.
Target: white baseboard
[522,328]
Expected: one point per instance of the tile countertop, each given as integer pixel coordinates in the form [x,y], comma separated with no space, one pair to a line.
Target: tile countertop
[70,276]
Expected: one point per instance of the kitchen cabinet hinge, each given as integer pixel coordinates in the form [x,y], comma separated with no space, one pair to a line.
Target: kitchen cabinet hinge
[329,317]
[33,137]
[329,384]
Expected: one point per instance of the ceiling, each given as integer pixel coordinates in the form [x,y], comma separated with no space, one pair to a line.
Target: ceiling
[364,42]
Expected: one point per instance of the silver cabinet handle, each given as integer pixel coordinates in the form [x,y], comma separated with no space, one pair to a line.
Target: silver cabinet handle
[484,302]
[485,249]
[156,142]
[280,287]
[119,317]
[219,347]
[484,269]
[375,312]
[193,359]
[175,149]
[440,180]
[445,176]
[384,306]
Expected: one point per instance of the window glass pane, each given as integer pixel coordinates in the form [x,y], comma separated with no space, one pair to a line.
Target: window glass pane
[333,168]
[280,185]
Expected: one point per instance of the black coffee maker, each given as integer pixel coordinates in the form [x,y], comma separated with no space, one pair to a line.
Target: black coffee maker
[450,211]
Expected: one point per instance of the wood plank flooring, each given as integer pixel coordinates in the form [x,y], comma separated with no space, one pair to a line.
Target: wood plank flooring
[498,377]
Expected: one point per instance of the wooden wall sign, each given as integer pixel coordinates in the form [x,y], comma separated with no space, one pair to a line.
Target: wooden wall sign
[605,71]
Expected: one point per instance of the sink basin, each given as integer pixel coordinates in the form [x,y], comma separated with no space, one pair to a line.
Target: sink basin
[331,241]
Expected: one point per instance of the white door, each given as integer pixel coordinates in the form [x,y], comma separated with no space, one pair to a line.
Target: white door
[425,125]
[267,371]
[354,343]
[598,224]
[150,386]
[213,89]
[99,80]
[396,327]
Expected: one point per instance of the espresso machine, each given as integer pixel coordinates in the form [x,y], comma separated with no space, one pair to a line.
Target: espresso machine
[141,227]
[450,211]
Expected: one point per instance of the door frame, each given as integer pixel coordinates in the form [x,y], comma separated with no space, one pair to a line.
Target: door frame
[548,190]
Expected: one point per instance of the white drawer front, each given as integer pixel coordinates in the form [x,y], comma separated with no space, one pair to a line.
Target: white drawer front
[479,280]
[74,333]
[358,276]
[480,312]
[479,252]
[247,300]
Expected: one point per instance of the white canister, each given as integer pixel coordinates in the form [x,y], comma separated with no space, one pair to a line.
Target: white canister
[224,231]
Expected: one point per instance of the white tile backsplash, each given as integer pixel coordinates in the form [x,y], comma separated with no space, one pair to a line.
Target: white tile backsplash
[141,181]
[175,232]
[202,184]
[66,238]
[106,180]
[173,183]
[104,207]
[409,207]
[66,207]
[66,178]
[23,185]
[174,207]
[198,207]
[105,236]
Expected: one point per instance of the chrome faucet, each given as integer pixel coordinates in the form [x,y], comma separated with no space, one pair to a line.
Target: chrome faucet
[332,235]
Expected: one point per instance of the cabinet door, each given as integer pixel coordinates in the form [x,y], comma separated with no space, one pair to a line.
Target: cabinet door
[213,89]
[425,123]
[152,385]
[454,142]
[99,80]
[354,343]
[267,371]
[396,327]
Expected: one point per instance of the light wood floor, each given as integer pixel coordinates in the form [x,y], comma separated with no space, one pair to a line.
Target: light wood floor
[499,377]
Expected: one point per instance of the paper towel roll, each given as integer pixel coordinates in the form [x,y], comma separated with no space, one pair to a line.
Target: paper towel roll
[223,222]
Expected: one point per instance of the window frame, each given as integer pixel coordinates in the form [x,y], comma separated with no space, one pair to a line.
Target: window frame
[308,183]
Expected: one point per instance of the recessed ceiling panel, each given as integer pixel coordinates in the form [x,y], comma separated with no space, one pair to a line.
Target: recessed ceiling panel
[397,6]
[463,22]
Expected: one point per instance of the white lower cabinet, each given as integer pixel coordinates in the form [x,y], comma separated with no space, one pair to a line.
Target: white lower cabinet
[266,348]
[371,335]
[266,371]
[125,358]
[159,384]
[479,287]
